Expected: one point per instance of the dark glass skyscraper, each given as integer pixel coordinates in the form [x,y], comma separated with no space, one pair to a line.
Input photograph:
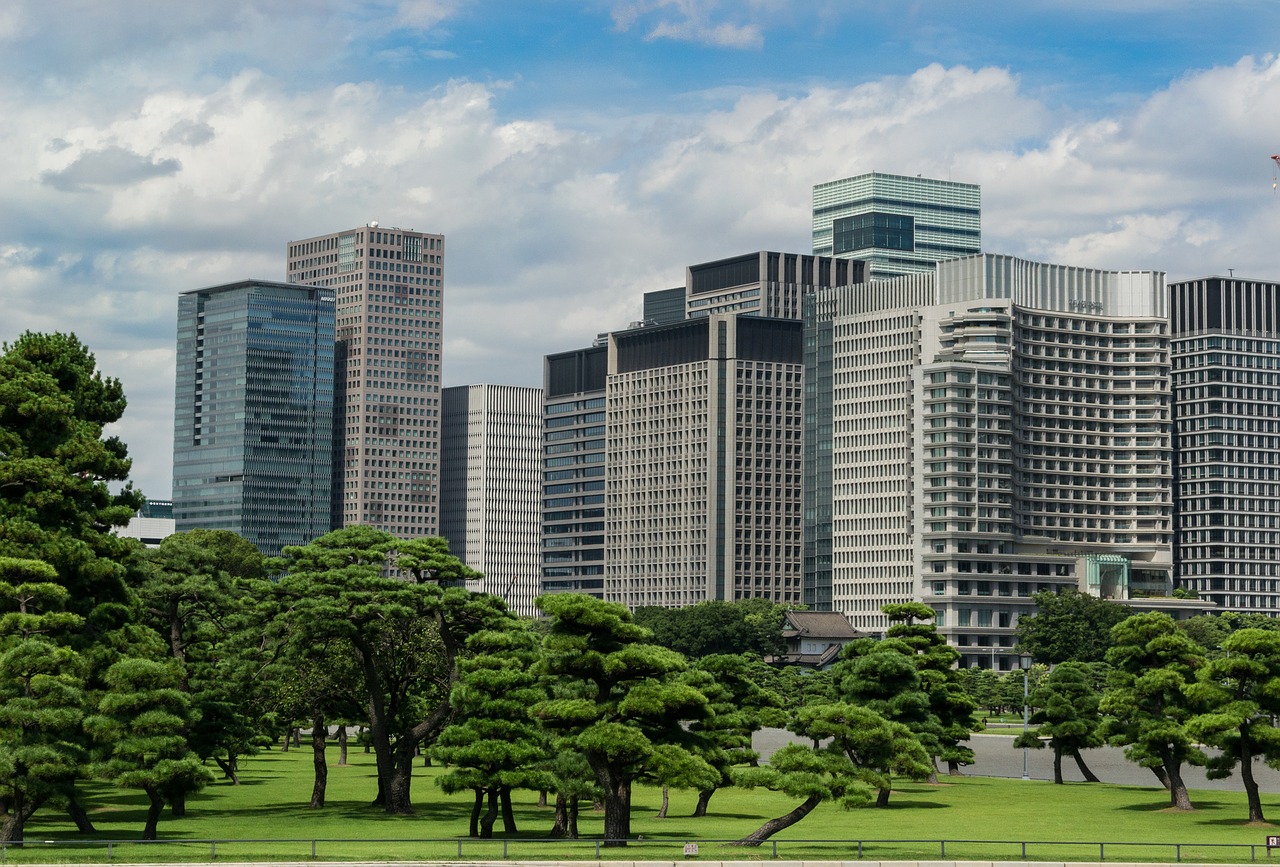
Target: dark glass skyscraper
[253,425]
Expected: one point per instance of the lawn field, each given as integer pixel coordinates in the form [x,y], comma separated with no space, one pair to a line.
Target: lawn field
[267,817]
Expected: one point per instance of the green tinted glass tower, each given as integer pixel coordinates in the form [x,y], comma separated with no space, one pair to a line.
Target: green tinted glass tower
[253,423]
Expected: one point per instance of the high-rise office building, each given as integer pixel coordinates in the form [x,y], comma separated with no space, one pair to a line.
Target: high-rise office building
[1226,390]
[573,470]
[763,283]
[995,430]
[704,462]
[664,306]
[491,487]
[897,224]
[389,285]
[253,421]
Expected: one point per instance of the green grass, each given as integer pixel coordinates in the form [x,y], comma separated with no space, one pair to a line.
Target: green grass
[271,805]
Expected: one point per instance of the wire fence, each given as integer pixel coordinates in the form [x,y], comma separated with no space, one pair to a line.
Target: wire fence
[95,851]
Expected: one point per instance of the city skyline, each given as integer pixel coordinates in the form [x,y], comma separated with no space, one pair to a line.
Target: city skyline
[151,153]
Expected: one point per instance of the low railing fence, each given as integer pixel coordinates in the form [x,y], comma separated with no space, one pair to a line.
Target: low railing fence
[92,851]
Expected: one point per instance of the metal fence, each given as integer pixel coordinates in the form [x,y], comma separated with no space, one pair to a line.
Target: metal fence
[92,851]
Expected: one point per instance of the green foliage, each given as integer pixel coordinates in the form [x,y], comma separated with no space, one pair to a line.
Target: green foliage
[140,729]
[717,628]
[1239,694]
[57,470]
[406,633]
[1153,663]
[618,701]
[42,697]
[1069,627]
[1066,715]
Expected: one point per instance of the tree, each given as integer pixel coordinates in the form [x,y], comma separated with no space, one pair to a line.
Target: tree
[1239,695]
[740,707]
[717,627]
[406,633]
[494,745]
[139,727]
[191,600]
[1066,703]
[862,754]
[619,702]
[42,696]
[935,661]
[57,470]
[882,676]
[1069,627]
[1146,698]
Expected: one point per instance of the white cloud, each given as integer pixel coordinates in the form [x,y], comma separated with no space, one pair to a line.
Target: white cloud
[556,228]
[696,21]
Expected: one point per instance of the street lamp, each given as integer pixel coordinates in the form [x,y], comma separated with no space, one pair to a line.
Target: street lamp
[1025,661]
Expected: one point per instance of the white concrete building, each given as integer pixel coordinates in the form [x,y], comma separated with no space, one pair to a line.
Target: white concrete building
[491,487]
[996,429]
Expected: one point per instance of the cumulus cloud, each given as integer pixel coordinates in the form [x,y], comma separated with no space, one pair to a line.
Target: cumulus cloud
[555,227]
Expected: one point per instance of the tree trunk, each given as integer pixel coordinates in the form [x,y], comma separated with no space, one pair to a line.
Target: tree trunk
[284,747]
[1250,784]
[1178,796]
[318,761]
[773,826]
[76,811]
[953,768]
[396,796]
[486,821]
[666,802]
[573,817]
[1057,766]
[560,827]
[154,810]
[297,737]
[1089,776]
[704,798]
[1158,770]
[508,814]
[882,797]
[228,768]
[15,822]
[342,746]
[477,804]
[617,814]
[542,797]
[178,805]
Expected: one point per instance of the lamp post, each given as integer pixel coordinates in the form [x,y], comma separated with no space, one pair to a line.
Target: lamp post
[1025,661]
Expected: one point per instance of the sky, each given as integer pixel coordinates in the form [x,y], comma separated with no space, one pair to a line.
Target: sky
[578,154]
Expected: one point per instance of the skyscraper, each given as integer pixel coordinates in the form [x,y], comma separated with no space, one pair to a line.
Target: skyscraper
[995,430]
[253,421]
[573,471]
[389,285]
[491,487]
[704,462]
[1226,390]
[898,225]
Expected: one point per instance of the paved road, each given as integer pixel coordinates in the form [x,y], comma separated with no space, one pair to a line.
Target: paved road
[997,757]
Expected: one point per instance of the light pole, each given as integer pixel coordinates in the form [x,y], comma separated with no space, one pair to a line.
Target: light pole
[1025,661]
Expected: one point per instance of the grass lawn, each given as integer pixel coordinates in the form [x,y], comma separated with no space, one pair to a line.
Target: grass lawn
[271,805]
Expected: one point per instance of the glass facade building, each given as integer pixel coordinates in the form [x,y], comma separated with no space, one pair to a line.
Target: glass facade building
[898,225]
[253,423]
[573,471]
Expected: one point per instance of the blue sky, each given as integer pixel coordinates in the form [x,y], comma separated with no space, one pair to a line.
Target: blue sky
[578,154]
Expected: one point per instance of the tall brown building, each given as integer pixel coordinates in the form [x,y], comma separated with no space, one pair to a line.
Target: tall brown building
[389,285]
